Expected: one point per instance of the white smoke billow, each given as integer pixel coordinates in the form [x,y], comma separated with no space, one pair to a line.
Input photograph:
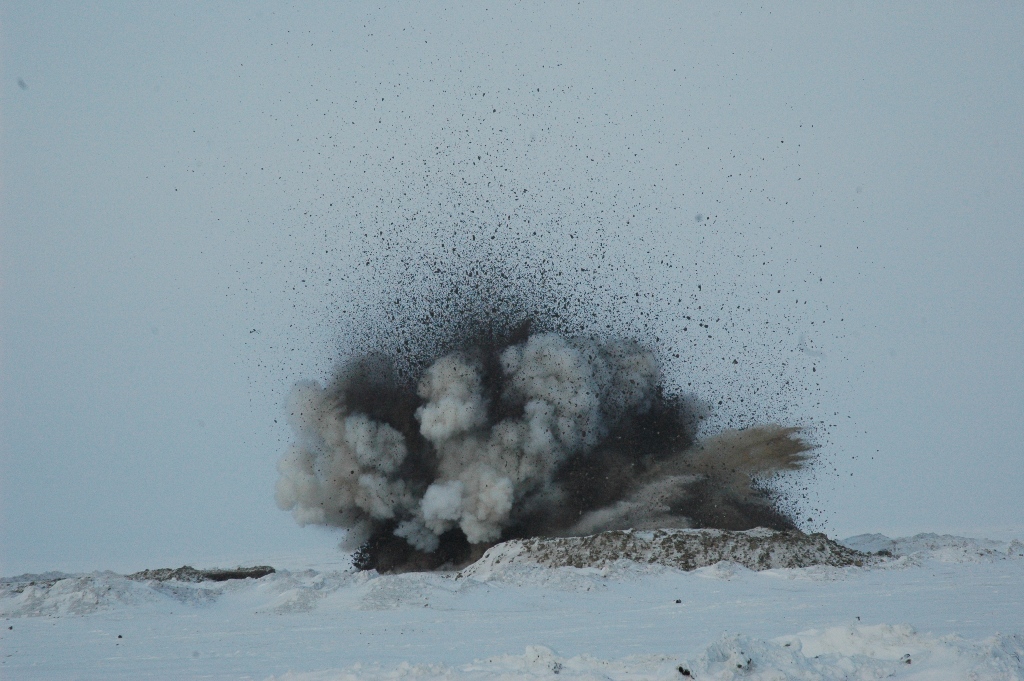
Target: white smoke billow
[515,440]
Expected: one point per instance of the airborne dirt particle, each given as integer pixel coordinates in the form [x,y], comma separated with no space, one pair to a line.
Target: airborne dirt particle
[506,375]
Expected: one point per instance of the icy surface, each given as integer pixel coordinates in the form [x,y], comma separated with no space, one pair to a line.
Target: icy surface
[951,606]
[854,652]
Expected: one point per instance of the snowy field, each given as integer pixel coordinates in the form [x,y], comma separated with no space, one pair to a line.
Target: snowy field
[811,213]
[939,607]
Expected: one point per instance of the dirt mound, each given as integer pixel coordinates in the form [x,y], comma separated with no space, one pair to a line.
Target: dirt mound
[758,549]
[187,573]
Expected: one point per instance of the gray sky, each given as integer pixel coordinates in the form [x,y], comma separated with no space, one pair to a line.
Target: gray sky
[170,175]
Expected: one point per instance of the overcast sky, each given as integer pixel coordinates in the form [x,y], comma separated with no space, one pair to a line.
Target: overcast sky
[171,176]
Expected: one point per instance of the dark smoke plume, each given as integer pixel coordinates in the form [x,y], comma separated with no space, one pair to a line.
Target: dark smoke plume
[515,432]
[504,378]
[529,327]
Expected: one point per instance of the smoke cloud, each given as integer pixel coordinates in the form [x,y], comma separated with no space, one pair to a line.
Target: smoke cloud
[516,434]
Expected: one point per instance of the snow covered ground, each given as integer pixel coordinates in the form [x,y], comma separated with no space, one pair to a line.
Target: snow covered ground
[940,607]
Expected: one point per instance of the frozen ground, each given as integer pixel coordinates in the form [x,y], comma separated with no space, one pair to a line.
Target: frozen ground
[940,607]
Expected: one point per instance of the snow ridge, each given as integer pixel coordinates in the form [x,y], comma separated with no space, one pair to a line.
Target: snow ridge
[581,564]
[945,548]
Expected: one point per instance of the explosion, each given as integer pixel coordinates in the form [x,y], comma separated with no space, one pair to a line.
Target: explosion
[511,435]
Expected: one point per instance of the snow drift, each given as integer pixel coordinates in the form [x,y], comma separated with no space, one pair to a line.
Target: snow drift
[631,619]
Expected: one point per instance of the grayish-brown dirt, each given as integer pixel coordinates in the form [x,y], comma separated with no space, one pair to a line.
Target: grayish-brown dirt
[758,549]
